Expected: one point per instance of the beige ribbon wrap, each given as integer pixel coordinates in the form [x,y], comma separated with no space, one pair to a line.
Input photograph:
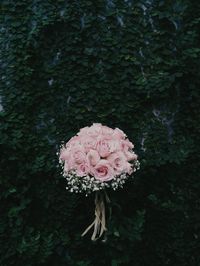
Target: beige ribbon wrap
[99,222]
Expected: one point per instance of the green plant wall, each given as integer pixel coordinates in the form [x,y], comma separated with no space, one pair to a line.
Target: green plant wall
[127,64]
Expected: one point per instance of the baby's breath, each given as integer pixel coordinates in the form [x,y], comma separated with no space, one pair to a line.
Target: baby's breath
[88,184]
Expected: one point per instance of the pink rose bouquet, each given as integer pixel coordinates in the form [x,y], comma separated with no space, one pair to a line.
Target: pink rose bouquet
[98,157]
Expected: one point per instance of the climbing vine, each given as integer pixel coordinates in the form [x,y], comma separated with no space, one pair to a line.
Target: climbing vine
[127,64]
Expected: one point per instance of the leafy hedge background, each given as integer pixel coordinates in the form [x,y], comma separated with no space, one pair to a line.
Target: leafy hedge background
[127,64]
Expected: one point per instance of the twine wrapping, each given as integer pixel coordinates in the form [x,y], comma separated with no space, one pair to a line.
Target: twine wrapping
[99,222]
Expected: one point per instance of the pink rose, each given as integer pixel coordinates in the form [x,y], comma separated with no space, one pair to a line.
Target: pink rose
[68,165]
[89,143]
[131,156]
[83,131]
[129,168]
[119,134]
[64,154]
[95,130]
[126,147]
[115,145]
[126,144]
[82,169]
[103,171]
[118,162]
[107,131]
[104,147]
[73,141]
[93,157]
[79,156]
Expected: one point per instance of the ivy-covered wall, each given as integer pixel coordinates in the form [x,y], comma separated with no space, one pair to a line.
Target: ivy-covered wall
[127,64]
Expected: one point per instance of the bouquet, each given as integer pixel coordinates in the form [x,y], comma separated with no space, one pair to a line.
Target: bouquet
[96,159]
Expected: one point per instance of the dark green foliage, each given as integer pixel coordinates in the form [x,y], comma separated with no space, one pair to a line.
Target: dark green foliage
[127,64]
